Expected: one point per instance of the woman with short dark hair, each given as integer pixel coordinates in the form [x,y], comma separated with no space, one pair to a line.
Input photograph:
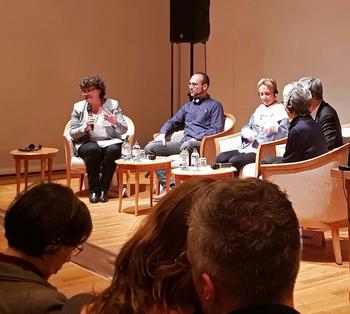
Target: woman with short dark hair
[44,227]
[96,121]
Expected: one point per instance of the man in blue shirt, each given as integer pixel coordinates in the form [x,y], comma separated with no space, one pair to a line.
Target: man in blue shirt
[198,118]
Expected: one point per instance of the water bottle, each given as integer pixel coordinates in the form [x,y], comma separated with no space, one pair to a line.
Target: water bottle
[184,159]
[126,149]
[195,159]
[136,151]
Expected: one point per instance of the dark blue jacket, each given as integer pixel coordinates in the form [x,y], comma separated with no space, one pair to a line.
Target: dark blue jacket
[305,140]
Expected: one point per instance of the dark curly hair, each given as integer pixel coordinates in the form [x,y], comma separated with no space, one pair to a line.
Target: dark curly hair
[93,81]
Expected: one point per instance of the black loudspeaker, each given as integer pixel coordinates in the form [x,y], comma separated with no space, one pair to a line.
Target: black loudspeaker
[189,21]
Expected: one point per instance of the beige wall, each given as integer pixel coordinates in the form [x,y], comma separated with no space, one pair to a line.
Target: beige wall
[46,48]
[281,39]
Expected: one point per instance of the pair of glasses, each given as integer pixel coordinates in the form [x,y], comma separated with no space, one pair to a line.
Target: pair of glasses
[87,91]
[77,249]
[183,261]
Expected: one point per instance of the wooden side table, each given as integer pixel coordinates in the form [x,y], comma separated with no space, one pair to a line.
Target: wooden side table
[217,174]
[137,166]
[43,154]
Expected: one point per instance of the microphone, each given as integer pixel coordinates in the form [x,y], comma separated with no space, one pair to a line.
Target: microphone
[89,111]
[218,165]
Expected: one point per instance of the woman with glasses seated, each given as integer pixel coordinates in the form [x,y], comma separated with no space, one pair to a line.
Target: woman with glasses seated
[269,122]
[152,274]
[44,227]
[97,124]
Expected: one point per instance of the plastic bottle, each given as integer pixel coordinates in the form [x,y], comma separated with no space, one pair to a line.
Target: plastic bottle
[136,151]
[195,159]
[126,149]
[184,159]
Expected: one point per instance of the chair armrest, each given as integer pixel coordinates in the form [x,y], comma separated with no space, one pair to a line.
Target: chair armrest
[228,142]
[268,149]
[208,145]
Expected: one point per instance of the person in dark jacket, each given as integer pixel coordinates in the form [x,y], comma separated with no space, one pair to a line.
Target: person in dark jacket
[305,136]
[323,113]
[44,227]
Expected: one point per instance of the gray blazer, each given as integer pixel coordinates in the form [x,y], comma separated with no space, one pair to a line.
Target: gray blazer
[80,116]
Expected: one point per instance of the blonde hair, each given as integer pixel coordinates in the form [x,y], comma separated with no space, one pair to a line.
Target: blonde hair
[270,83]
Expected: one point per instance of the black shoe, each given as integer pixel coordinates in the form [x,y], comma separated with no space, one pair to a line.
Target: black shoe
[94,197]
[104,197]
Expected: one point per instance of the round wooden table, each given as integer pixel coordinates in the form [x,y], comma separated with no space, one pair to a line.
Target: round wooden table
[143,165]
[44,154]
[217,174]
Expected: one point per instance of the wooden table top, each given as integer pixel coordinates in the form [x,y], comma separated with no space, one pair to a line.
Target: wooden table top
[40,152]
[144,162]
[202,171]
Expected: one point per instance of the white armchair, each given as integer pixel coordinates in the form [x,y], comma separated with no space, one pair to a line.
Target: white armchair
[231,142]
[75,164]
[318,199]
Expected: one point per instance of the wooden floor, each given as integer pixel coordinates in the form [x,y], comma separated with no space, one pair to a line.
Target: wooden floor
[322,286]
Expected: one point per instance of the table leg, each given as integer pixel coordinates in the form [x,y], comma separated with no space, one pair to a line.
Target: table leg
[49,169]
[42,170]
[137,182]
[167,180]
[151,188]
[347,187]
[18,175]
[25,174]
[120,188]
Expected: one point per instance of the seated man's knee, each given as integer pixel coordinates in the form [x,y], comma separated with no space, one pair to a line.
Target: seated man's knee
[190,145]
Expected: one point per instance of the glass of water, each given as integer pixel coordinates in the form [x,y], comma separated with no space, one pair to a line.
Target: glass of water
[142,154]
[202,162]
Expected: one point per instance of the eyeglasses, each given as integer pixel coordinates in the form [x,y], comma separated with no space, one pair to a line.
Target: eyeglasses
[183,261]
[77,249]
[87,90]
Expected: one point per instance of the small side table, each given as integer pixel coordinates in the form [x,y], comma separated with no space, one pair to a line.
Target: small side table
[217,174]
[43,154]
[143,165]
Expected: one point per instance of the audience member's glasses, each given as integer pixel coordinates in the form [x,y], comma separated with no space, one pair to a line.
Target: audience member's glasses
[77,249]
[87,90]
[183,261]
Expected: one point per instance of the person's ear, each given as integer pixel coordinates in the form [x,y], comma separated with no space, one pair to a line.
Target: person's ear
[209,293]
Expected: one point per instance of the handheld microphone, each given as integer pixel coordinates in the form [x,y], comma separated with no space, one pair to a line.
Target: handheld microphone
[218,165]
[89,111]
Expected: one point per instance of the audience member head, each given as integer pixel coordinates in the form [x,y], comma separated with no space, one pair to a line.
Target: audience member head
[198,85]
[146,273]
[243,245]
[267,90]
[46,225]
[93,81]
[314,85]
[297,99]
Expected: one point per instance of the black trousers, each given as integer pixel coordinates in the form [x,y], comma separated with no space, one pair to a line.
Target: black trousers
[237,159]
[99,160]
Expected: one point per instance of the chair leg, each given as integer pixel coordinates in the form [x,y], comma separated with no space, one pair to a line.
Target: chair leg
[69,178]
[336,246]
[81,181]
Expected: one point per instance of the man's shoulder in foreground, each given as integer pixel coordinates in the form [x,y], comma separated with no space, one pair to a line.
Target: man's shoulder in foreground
[266,309]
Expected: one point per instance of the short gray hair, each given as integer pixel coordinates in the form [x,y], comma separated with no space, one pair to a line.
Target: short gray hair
[297,99]
[314,85]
